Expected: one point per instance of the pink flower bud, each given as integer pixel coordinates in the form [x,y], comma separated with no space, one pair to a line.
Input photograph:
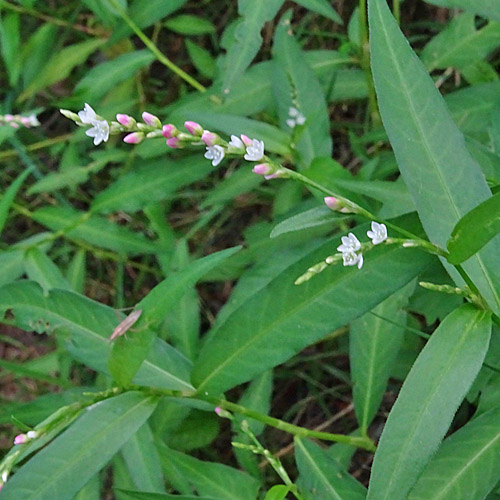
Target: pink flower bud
[209,138]
[332,203]
[21,439]
[168,131]
[26,122]
[193,128]
[14,124]
[9,118]
[262,169]
[125,120]
[246,140]
[173,142]
[151,120]
[134,138]
[218,410]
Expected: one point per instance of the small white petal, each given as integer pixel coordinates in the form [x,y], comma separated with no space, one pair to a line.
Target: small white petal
[88,115]
[215,153]
[255,151]
[352,258]
[236,142]
[360,261]
[301,119]
[293,112]
[378,234]
[291,123]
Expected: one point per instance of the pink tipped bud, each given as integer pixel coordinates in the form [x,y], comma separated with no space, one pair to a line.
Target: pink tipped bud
[173,142]
[134,138]
[246,140]
[332,203]
[151,120]
[9,118]
[125,120]
[168,131]
[262,169]
[218,410]
[26,122]
[209,138]
[14,124]
[194,128]
[21,439]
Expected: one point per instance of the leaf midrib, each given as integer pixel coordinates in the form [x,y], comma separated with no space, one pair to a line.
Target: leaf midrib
[415,117]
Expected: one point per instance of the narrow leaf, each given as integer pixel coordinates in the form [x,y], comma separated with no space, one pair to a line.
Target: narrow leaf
[9,195]
[293,317]
[428,400]
[474,230]
[431,152]
[322,477]
[319,216]
[486,8]
[62,468]
[322,7]
[466,466]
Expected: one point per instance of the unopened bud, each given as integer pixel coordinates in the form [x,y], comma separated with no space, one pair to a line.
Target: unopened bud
[194,128]
[134,138]
[169,131]
[125,120]
[151,120]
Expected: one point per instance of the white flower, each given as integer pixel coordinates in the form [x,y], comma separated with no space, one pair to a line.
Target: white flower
[100,131]
[100,128]
[349,244]
[255,151]
[88,115]
[215,153]
[236,142]
[352,259]
[296,118]
[378,234]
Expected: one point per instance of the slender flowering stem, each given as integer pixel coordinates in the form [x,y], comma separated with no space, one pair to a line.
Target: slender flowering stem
[154,49]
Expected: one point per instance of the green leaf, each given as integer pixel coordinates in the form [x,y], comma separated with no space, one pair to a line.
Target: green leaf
[62,468]
[187,24]
[295,85]
[128,353]
[374,344]
[474,230]
[208,478]
[88,325]
[278,492]
[322,477]
[431,152]
[143,461]
[141,495]
[461,44]
[76,271]
[486,8]
[60,65]
[166,294]
[322,7]
[104,77]
[10,41]
[41,269]
[201,58]
[93,229]
[195,431]
[247,37]
[275,323]
[9,195]
[466,465]
[319,216]
[428,400]
[11,265]
[152,182]
[145,14]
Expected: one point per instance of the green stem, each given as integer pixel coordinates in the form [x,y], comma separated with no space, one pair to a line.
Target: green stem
[396,10]
[360,442]
[365,63]
[154,49]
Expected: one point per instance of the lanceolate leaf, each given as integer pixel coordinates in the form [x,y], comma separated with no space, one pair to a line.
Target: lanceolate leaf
[88,325]
[295,85]
[474,230]
[68,463]
[467,464]
[247,37]
[274,324]
[321,7]
[431,152]
[429,398]
[374,344]
[486,8]
[323,477]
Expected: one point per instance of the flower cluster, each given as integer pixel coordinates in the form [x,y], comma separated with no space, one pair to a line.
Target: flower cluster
[25,438]
[351,245]
[15,121]
[216,147]
[296,117]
